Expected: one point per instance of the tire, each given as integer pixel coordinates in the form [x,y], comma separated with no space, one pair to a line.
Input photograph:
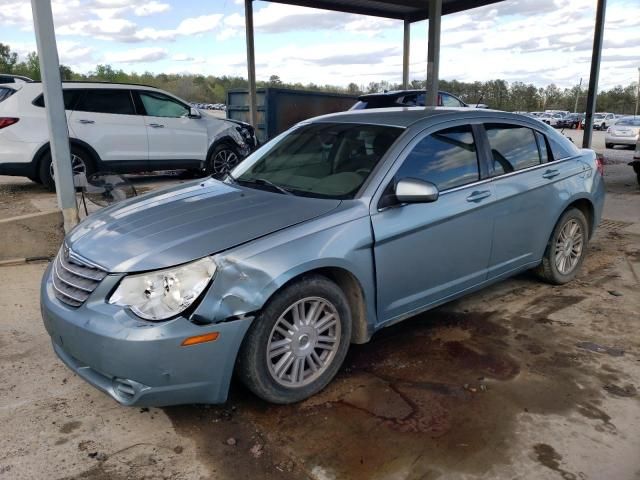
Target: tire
[608,145]
[552,269]
[222,159]
[260,373]
[82,162]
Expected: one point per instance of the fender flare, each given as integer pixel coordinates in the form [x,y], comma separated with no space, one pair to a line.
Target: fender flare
[39,155]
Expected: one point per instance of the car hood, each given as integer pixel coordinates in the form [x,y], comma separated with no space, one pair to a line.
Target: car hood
[180,224]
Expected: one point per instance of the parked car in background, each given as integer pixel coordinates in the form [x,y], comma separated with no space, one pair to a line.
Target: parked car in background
[636,161]
[404,98]
[601,120]
[626,131]
[571,120]
[119,128]
[343,225]
[551,119]
[9,78]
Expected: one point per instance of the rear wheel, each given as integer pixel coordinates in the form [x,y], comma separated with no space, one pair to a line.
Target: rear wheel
[298,342]
[223,158]
[81,164]
[608,145]
[566,249]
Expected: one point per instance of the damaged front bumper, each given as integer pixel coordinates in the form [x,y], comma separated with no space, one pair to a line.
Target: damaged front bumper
[139,362]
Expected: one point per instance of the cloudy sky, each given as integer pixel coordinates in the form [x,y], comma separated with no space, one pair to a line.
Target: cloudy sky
[537,41]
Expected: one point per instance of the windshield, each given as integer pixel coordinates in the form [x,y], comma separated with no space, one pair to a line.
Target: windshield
[598,116]
[631,122]
[325,160]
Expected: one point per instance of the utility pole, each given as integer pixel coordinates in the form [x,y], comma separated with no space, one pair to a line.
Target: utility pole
[592,92]
[56,116]
[638,92]
[575,108]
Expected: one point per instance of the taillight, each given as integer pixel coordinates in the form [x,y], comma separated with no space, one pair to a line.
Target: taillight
[6,121]
[600,164]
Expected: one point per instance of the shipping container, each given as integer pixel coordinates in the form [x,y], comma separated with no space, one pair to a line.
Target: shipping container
[280,108]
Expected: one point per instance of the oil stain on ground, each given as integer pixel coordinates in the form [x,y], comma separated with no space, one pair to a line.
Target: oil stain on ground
[435,394]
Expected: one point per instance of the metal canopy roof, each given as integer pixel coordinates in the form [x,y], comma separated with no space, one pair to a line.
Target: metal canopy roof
[410,10]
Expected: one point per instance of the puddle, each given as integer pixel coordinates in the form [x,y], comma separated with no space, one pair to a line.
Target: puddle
[594,347]
[438,393]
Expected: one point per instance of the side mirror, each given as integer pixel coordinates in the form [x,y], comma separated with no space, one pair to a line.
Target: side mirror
[413,190]
[194,113]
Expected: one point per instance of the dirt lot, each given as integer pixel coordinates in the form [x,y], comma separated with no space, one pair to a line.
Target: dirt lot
[520,381]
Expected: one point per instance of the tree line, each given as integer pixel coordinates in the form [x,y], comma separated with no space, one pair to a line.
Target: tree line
[498,94]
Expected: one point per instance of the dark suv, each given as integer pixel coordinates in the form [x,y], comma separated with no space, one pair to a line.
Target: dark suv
[404,98]
[570,121]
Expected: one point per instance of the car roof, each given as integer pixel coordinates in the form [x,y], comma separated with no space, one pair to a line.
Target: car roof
[406,116]
[396,93]
[113,85]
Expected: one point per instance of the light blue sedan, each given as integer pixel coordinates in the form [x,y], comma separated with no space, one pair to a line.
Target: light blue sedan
[339,227]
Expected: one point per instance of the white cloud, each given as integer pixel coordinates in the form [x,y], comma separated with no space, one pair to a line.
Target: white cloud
[151,8]
[136,55]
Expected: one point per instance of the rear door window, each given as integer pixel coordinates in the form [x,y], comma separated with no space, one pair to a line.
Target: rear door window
[447,158]
[513,147]
[113,101]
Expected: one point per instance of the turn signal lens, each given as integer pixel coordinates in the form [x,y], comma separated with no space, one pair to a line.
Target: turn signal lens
[207,337]
[6,121]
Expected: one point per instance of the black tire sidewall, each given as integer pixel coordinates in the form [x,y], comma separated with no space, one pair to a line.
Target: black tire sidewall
[217,149]
[556,276]
[44,171]
[252,366]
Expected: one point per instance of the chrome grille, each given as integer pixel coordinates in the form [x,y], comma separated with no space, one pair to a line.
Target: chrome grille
[73,280]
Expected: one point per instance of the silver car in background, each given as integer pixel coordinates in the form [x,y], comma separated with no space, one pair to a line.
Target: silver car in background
[626,131]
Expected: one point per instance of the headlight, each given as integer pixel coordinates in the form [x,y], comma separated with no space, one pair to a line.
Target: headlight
[164,293]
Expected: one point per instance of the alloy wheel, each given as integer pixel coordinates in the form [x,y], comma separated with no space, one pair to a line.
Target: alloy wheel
[78,167]
[224,161]
[569,247]
[303,342]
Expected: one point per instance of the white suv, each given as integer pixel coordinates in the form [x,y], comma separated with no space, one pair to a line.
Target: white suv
[117,128]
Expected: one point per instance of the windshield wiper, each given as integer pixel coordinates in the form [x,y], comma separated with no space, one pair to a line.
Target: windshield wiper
[264,181]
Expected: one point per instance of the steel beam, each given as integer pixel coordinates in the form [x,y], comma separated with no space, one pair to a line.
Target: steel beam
[56,116]
[251,63]
[592,93]
[433,52]
[406,50]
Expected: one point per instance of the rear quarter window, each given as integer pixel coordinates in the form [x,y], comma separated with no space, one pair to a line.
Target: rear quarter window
[6,92]
[70,97]
[561,147]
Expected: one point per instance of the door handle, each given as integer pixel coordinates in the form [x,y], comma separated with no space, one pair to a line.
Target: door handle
[478,195]
[550,173]
[86,122]
[156,125]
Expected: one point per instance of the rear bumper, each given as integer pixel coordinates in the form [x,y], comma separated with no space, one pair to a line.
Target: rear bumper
[620,140]
[17,169]
[137,362]
[16,157]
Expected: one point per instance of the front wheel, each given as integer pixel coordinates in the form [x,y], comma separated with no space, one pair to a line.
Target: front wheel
[222,159]
[566,249]
[608,145]
[298,342]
